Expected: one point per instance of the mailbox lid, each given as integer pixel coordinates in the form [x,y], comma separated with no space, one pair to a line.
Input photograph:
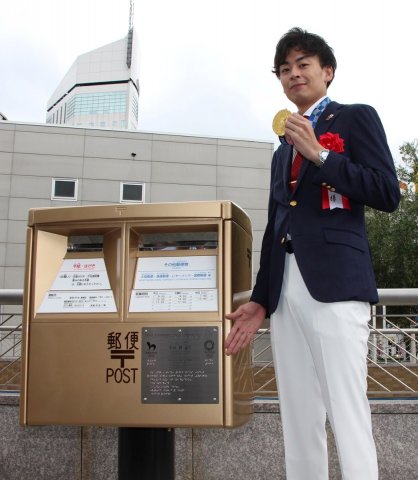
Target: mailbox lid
[171,210]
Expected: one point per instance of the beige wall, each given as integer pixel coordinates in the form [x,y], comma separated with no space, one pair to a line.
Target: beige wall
[173,168]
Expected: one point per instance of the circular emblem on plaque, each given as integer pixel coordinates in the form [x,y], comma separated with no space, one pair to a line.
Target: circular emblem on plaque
[209,345]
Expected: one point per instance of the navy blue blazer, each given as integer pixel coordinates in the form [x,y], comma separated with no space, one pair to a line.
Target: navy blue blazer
[330,245]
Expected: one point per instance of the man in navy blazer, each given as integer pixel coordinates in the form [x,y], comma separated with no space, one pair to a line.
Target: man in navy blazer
[316,278]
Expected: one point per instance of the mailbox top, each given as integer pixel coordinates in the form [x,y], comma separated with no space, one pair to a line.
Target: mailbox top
[222,209]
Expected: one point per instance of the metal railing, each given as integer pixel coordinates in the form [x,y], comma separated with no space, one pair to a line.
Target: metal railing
[393,359]
[10,340]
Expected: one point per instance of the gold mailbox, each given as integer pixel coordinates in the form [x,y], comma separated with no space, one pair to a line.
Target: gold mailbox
[124,315]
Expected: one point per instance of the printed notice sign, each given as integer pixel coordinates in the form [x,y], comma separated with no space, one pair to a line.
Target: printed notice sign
[82,274]
[175,284]
[78,302]
[180,365]
[175,272]
[81,286]
[174,300]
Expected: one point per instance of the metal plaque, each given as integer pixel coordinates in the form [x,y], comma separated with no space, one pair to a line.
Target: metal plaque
[180,365]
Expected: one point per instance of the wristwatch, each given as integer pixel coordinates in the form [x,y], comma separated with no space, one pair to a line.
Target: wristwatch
[322,155]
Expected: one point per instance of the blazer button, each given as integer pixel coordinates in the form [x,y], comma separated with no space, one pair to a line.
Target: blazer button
[293,203]
[283,240]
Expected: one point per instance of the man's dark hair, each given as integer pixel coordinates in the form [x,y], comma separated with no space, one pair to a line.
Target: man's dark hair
[306,42]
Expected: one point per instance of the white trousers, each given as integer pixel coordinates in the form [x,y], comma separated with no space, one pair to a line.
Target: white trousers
[320,352]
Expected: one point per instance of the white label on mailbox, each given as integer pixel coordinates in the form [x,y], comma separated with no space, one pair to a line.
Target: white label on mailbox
[82,274]
[78,302]
[175,272]
[174,301]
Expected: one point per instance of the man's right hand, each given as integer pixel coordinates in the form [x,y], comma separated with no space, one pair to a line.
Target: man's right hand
[247,319]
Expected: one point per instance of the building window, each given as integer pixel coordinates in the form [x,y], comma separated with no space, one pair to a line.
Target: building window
[97,104]
[131,192]
[64,189]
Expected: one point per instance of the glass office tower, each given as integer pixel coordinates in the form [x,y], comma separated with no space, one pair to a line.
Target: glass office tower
[101,89]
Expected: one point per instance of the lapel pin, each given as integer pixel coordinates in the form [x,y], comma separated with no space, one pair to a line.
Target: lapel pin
[330,116]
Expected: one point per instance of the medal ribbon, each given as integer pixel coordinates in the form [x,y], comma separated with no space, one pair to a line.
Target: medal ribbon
[313,117]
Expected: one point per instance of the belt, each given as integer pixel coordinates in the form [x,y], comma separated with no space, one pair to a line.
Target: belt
[289,246]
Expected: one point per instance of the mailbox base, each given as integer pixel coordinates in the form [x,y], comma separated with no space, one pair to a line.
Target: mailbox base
[146,454]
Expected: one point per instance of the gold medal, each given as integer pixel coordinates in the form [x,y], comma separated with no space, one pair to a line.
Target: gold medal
[279,120]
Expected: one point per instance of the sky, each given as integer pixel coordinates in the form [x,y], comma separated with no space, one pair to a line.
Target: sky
[205,66]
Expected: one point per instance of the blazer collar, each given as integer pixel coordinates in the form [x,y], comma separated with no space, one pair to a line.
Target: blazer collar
[327,118]
[287,163]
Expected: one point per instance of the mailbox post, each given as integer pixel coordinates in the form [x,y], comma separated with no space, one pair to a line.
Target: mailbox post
[124,316]
[146,454]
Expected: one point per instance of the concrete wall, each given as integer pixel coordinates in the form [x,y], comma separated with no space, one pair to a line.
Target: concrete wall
[173,168]
[252,452]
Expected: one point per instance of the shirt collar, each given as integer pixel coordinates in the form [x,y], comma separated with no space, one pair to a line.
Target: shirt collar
[312,107]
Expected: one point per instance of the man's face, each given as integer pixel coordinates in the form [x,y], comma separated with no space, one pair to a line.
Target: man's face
[303,79]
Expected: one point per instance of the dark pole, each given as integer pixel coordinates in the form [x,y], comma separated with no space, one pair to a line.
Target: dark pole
[146,454]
